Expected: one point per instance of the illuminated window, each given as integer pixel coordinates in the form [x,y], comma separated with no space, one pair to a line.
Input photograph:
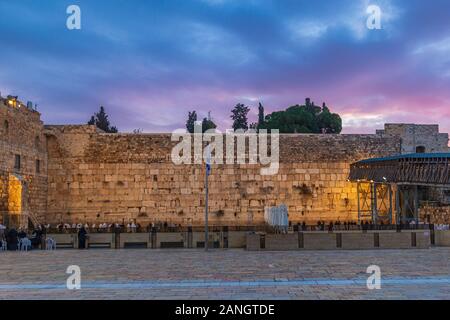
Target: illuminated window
[17,162]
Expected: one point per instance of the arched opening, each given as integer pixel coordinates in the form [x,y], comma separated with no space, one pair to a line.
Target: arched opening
[17,206]
[420,149]
[14,195]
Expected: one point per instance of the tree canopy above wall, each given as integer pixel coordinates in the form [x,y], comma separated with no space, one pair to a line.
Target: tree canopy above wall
[307,118]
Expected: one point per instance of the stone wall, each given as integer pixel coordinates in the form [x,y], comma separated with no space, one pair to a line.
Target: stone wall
[436,215]
[85,175]
[97,177]
[22,135]
[414,136]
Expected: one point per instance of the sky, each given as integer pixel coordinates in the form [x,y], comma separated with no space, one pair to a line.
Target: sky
[150,62]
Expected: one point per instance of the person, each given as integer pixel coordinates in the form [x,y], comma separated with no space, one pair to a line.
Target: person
[2,232]
[36,238]
[82,235]
[11,239]
[22,234]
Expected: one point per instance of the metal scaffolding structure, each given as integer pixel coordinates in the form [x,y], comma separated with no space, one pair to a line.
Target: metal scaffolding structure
[381,182]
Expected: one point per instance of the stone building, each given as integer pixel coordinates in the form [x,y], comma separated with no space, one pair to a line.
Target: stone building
[77,173]
[416,138]
[23,163]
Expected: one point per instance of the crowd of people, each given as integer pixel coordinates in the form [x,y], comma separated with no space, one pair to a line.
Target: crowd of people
[352,225]
[114,227]
[11,238]
[442,226]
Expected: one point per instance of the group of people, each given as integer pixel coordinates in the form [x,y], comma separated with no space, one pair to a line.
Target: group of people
[352,225]
[12,237]
[75,227]
[322,226]
[101,227]
[130,227]
[441,226]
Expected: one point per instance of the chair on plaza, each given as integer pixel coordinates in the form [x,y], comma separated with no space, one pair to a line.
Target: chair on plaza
[50,244]
[24,244]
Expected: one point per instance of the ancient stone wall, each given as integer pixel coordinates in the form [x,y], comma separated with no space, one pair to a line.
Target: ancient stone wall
[436,215]
[22,140]
[417,137]
[99,177]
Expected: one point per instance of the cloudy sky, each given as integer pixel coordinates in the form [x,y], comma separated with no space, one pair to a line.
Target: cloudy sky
[149,62]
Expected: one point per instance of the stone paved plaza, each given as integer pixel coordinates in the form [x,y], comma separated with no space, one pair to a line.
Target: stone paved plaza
[225,274]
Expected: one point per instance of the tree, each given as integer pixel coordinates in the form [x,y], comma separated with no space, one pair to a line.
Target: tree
[100,119]
[208,124]
[260,115]
[239,116]
[190,123]
[92,121]
[329,122]
[307,118]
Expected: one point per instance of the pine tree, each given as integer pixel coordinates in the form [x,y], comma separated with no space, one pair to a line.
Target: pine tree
[260,115]
[239,116]
[190,123]
[100,119]
[208,124]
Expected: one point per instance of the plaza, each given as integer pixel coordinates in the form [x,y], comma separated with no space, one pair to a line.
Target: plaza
[225,274]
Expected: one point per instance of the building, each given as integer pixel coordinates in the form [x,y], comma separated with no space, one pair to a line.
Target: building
[77,173]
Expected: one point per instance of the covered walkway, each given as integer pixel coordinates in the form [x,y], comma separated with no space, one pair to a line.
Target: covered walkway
[390,189]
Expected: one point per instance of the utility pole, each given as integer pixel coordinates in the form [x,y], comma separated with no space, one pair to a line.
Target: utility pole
[207,172]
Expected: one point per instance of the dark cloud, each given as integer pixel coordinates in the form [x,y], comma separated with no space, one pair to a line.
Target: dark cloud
[149,62]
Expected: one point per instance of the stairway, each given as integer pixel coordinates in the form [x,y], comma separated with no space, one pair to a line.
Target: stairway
[33,218]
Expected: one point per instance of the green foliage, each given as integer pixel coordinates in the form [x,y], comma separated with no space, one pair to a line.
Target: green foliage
[239,116]
[100,119]
[306,118]
[208,124]
[190,123]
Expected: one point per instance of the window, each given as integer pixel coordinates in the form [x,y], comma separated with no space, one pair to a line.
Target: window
[38,166]
[420,149]
[17,162]
[5,127]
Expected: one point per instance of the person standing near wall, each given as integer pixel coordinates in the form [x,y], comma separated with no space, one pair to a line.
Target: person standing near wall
[11,239]
[82,235]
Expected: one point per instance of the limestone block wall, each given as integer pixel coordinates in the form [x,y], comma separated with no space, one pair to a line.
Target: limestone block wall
[435,215]
[22,134]
[99,177]
[415,135]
